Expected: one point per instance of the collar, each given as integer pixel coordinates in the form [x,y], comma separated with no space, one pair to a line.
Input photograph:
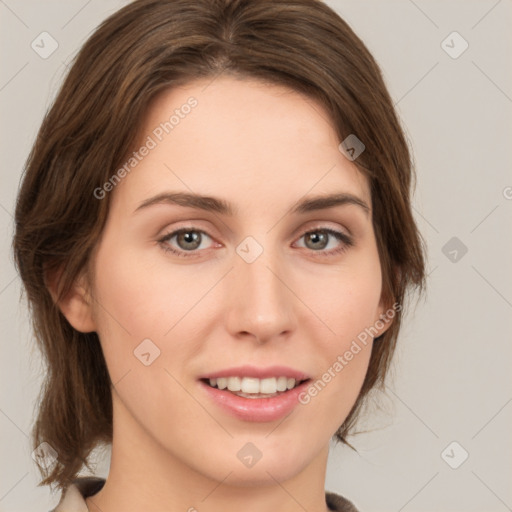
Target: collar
[73,497]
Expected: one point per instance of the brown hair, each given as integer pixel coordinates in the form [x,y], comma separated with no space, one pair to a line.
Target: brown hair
[142,49]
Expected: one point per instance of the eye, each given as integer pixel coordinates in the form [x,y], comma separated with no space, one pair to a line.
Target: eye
[318,240]
[189,240]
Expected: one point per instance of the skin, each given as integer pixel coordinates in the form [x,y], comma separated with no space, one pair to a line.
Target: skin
[262,148]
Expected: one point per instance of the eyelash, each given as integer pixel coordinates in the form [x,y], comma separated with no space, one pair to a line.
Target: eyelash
[347,241]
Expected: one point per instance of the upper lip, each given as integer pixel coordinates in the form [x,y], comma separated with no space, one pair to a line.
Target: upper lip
[259,373]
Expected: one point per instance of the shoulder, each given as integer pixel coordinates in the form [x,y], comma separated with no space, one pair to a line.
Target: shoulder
[338,503]
[73,497]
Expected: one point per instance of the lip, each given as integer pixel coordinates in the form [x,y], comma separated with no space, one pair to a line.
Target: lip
[258,373]
[256,409]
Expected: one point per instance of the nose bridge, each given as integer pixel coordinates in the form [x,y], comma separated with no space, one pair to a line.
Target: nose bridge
[261,303]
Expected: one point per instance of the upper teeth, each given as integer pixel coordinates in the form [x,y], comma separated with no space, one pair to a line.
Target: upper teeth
[253,385]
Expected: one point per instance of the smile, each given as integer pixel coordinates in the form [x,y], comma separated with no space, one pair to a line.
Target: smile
[252,387]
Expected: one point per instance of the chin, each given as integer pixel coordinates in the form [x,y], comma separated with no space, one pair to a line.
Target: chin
[273,462]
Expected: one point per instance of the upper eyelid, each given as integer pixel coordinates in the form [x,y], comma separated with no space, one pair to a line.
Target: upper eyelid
[301,231]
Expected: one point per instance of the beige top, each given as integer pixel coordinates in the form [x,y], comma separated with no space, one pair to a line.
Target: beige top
[73,498]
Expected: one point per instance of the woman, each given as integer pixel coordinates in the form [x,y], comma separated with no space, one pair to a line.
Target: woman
[214,230]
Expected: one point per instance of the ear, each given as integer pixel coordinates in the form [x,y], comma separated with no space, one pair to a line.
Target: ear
[386,312]
[76,305]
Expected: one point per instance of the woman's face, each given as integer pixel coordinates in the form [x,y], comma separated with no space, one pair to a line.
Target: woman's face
[256,291]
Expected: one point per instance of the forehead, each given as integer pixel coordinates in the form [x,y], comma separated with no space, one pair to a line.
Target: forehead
[239,138]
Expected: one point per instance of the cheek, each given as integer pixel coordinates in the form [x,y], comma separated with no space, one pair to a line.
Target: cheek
[141,297]
[347,305]
[141,316]
[139,308]
[345,300]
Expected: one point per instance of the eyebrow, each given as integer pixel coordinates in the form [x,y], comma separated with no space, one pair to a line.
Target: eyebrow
[217,205]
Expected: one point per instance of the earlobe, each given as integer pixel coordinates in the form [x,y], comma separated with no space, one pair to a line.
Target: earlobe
[76,305]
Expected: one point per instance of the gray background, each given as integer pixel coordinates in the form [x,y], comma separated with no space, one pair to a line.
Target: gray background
[451,378]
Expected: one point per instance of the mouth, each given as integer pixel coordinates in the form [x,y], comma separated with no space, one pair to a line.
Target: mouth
[255,394]
[254,388]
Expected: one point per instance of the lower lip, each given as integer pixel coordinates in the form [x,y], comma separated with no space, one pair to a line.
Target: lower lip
[256,409]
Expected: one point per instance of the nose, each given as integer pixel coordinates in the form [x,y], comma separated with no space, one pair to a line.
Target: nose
[260,303]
